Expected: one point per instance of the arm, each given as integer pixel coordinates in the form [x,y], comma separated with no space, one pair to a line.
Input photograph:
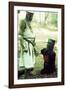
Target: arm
[22,27]
[21,31]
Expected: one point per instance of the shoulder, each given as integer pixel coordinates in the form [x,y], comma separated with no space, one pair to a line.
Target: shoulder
[53,54]
[22,24]
[44,51]
[22,21]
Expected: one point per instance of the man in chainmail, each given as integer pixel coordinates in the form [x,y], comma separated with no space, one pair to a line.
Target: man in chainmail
[27,42]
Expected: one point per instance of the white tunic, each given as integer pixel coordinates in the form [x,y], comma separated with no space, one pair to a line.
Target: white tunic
[27,59]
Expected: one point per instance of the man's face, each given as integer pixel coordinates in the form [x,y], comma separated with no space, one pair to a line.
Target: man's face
[29,17]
